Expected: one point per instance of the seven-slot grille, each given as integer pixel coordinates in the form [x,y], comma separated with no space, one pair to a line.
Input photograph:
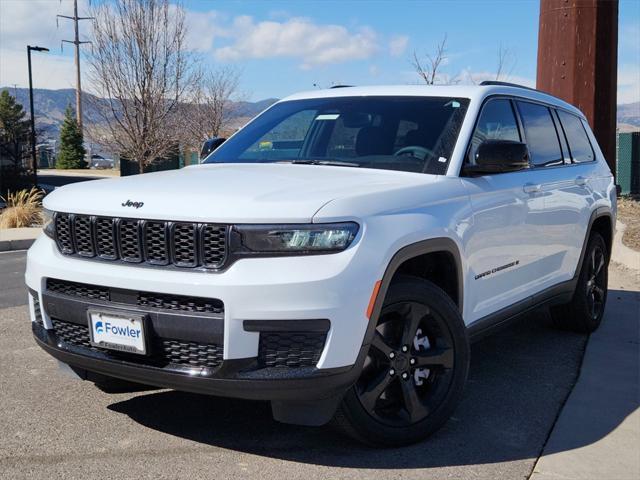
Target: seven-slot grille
[150,242]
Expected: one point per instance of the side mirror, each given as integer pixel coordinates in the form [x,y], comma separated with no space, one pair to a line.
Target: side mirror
[210,145]
[499,156]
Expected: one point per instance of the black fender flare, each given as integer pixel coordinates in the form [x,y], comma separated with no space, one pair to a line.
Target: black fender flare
[597,213]
[433,245]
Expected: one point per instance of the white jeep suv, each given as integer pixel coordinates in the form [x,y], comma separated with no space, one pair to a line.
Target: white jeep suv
[335,256]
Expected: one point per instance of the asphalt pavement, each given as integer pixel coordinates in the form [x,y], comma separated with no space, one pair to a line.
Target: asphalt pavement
[56,427]
[12,288]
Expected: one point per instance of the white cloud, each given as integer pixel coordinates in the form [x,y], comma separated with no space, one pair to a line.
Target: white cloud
[33,22]
[49,71]
[629,83]
[299,38]
[203,28]
[398,45]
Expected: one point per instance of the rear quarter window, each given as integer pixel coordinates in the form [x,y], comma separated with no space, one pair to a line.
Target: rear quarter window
[579,145]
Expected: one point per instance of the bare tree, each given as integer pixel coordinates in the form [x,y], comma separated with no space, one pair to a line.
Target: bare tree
[506,63]
[212,104]
[504,67]
[140,68]
[430,68]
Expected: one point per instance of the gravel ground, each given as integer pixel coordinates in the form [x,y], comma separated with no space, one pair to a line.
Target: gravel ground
[629,214]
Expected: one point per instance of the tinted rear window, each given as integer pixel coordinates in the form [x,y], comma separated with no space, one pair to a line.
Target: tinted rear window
[541,135]
[579,144]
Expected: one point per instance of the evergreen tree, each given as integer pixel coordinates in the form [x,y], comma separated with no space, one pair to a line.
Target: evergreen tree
[71,153]
[14,129]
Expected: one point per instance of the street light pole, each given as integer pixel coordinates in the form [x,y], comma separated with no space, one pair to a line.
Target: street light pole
[34,159]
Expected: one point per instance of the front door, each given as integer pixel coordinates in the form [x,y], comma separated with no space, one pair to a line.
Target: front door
[507,240]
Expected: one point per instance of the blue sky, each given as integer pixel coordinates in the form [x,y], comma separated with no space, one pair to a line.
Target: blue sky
[282,47]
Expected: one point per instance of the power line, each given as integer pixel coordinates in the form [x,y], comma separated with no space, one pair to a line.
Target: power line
[76,42]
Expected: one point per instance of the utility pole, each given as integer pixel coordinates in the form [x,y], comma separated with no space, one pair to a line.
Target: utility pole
[577,61]
[76,42]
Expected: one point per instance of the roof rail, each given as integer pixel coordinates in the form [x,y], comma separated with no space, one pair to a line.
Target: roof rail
[340,86]
[507,84]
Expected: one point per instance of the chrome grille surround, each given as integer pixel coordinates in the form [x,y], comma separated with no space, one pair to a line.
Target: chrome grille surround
[157,243]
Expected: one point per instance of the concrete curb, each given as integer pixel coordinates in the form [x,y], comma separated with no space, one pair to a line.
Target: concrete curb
[598,429]
[18,238]
[621,254]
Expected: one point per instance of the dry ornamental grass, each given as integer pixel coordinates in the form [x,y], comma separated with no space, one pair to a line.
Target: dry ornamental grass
[24,209]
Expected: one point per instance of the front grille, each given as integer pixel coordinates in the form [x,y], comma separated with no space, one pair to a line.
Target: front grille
[163,352]
[290,349]
[37,311]
[180,303]
[75,289]
[63,234]
[163,301]
[148,242]
[129,239]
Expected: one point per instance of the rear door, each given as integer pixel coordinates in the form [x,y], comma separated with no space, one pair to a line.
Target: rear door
[563,183]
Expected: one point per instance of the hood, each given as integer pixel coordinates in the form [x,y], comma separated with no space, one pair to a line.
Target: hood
[227,193]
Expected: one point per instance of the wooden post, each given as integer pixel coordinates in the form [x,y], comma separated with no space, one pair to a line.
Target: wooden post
[577,61]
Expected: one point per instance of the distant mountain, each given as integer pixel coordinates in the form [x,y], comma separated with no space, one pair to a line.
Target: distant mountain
[49,106]
[629,114]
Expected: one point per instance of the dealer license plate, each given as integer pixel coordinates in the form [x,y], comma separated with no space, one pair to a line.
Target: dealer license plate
[117,331]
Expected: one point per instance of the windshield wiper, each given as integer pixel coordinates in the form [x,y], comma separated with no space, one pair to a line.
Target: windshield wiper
[333,163]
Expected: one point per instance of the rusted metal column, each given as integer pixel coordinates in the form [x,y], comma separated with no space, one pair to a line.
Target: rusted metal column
[577,61]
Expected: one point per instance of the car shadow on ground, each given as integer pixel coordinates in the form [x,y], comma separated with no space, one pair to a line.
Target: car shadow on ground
[520,377]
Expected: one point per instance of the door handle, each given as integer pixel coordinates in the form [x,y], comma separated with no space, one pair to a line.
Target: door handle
[581,181]
[531,188]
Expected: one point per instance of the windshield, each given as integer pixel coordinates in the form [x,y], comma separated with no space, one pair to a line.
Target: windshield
[413,134]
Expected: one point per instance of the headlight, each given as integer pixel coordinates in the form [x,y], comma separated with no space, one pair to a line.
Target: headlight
[297,239]
[47,222]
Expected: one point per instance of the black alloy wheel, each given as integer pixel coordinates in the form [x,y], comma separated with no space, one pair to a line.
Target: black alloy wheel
[583,314]
[415,369]
[409,367]
[596,284]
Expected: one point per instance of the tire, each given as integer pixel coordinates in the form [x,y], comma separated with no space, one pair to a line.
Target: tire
[584,313]
[374,410]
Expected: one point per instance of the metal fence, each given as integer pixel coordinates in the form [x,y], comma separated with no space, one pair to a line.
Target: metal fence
[628,163]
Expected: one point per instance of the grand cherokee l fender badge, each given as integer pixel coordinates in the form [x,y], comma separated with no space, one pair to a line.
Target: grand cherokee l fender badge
[497,269]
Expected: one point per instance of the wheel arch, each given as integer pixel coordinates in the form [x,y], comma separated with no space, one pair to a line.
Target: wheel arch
[601,221]
[444,247]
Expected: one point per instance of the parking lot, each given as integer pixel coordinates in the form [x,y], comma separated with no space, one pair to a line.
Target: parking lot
[56,427]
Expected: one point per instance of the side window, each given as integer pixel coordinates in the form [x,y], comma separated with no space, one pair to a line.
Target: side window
[579,145]
[496,122]
[541,135]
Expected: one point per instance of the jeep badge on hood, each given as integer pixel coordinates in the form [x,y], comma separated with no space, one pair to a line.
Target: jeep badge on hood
[129,203]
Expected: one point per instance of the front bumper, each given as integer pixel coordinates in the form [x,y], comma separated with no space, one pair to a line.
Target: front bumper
[284,288]
[259,295]
[235,378]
